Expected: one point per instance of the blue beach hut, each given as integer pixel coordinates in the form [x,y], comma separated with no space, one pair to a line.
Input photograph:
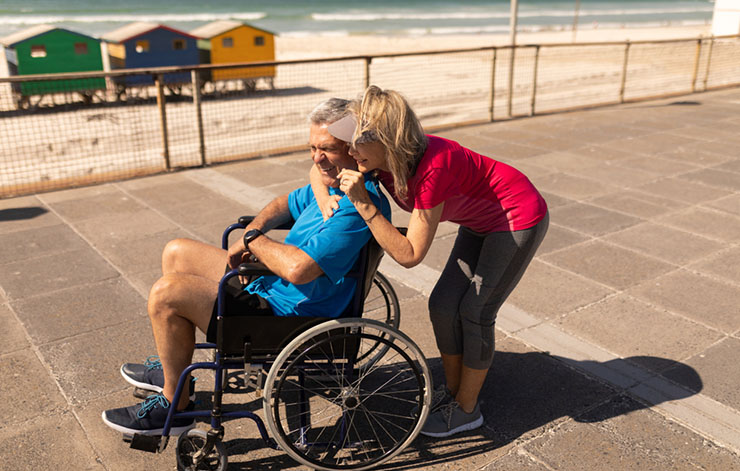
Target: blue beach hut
[144,44]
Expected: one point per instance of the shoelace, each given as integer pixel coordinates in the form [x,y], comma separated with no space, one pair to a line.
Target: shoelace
[447,411]
[153,363]
[152,402]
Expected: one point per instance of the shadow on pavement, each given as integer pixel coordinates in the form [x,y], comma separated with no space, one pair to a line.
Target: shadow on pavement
[526,391]
[17,214]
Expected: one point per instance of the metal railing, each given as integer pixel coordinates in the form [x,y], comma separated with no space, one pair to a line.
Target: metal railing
[65,130]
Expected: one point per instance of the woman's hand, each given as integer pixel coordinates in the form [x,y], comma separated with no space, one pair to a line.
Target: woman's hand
[352,183]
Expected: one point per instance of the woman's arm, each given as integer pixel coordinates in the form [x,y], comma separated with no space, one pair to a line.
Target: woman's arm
[327,203]
[408,250]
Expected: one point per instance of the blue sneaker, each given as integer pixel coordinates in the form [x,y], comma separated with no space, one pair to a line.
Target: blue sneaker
[149,376]
[146,418]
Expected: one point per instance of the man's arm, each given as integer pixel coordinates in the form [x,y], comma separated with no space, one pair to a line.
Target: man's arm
[286,261]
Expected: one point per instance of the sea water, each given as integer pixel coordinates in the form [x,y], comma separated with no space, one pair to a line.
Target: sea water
[349,17]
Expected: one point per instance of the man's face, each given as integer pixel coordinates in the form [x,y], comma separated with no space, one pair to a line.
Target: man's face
[329,154]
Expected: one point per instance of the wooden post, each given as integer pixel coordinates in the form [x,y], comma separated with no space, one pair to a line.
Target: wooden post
[195,76]
[534,80]
[696,65]
[159,79]
[368,60]
[493,83]
[513,20]
[624,71]
[709,61]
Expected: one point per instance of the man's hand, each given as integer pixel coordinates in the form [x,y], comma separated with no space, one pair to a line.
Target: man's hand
[237,254]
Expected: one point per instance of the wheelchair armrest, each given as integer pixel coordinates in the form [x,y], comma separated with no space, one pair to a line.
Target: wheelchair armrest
[254,268]
[245,220]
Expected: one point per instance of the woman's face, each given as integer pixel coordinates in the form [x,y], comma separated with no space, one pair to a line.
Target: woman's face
[369,156]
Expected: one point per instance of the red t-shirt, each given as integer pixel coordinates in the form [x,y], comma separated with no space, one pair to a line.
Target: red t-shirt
[479,193]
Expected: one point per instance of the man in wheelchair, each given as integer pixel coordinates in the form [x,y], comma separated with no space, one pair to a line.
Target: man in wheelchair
[309,267]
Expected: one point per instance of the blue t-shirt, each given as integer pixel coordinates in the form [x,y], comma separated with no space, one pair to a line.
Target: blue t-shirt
[333,244]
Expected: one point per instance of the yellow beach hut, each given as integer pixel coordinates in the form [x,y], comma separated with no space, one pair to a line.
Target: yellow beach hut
[228,42]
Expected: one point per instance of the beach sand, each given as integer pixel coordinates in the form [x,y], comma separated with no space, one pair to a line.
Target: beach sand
[40,149]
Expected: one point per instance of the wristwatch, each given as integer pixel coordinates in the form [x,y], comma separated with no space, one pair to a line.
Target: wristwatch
[250,235]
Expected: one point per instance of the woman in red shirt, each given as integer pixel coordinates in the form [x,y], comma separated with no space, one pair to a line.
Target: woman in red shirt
[502,219]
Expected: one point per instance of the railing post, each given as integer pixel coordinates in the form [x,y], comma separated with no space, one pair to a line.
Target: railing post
[511,79]
[493,83]
[696,65]
[534,80]
[709,61]
[368,60]
[195,76]
[624,71]
[158,81]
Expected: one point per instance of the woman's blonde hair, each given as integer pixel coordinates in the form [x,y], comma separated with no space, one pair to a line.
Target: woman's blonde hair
[385,116]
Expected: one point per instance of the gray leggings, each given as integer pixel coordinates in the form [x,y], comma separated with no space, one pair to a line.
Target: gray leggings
[481,272]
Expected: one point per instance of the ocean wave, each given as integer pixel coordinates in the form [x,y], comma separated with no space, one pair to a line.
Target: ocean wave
[363,16]
[117,18]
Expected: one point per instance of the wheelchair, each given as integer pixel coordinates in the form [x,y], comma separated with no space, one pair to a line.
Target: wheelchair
[346,393]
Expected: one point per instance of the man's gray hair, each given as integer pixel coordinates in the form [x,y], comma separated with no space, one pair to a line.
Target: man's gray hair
[328,111]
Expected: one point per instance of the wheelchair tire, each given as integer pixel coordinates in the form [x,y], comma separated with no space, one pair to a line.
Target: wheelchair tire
[329,413]
[192,441]
[381,304]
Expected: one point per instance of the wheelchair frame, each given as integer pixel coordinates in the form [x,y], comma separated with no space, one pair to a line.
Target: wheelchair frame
[340,382]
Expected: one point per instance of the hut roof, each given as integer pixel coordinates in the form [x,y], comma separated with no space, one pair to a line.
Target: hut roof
[137,28]
[215,28]
[20,36]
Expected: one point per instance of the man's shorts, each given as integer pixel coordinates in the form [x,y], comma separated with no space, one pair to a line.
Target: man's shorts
[238,301]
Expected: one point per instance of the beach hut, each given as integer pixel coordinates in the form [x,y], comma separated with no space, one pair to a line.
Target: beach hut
[144,44]
[223,42]
[45,49]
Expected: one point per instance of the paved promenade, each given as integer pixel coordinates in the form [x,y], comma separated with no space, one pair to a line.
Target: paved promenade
[618,351]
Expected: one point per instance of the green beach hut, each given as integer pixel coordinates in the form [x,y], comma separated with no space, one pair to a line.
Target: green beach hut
[46,49]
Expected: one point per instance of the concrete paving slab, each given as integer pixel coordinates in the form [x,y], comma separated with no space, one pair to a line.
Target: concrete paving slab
[729,204]
[53,442]
[695,155]
[591,220]
[266,172]
[84,376]
[652,143]
[141,253]
[77,267]
[548,292]
[103,230]
[637,203]
[573,187]
[602,153]
[80,309]
[562,161]
[697,297]
[608,264]
[632,328]
[12,335]
[725,264]
[719,370]
[28,391]
[716,178]
[614,173]
[655,166]
[555,201]
[36,243]
[672,245]
[640,440]
[681,190]
[730,165]
[519,460]
[112,201]
[706,222]
[559,238]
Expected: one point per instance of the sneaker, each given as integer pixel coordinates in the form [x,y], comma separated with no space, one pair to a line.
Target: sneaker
[451,419]
[149,376]
[146,418]
[440,397]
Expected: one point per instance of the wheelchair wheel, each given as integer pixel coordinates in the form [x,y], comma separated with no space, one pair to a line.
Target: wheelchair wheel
[329,413]
[192,442]
[381,304]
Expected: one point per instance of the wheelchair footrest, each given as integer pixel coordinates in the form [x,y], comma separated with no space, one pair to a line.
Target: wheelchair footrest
[150,443]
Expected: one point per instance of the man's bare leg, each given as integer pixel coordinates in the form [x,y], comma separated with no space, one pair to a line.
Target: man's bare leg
[178,303]
[193,258]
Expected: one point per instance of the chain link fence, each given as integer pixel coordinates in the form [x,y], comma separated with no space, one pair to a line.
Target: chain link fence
[64,130]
